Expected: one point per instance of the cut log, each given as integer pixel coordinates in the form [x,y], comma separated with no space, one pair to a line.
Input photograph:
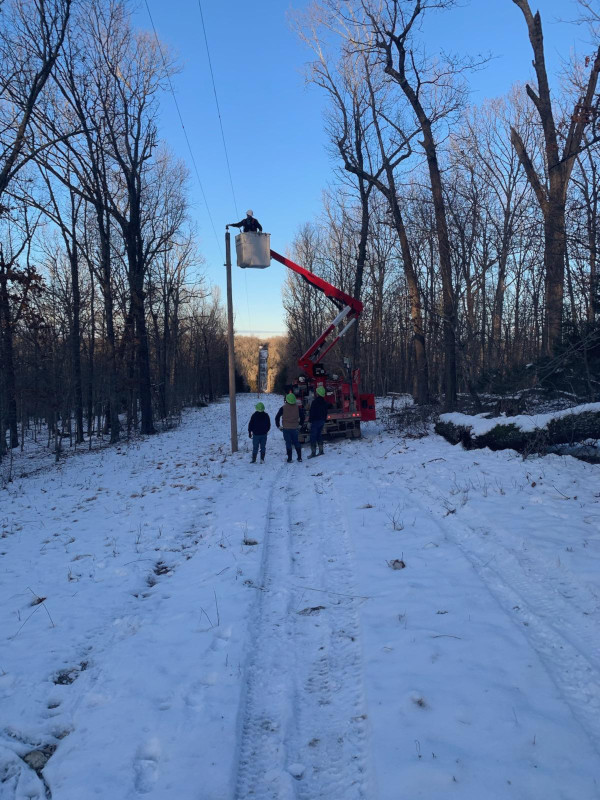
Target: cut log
[526,435]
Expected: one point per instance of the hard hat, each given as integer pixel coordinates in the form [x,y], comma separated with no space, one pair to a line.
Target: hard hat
[250,213]
[321,391]
[290,398]
[260,406]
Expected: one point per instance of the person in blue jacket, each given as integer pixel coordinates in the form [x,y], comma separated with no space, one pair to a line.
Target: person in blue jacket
[258,429]
[317,416]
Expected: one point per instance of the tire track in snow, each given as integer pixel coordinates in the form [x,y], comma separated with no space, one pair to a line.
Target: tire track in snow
[304,733]
[331,736]
[262,757]
[519,569]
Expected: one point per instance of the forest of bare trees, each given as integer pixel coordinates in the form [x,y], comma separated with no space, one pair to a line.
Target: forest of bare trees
[471,232]
[106,326]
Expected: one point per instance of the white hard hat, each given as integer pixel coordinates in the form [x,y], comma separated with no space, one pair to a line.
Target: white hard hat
[250,213]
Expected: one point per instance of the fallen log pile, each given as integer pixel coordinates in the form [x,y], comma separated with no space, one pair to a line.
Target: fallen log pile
[524,433]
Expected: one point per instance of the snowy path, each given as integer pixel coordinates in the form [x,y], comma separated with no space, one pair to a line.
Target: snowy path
[176,622]
[304,730]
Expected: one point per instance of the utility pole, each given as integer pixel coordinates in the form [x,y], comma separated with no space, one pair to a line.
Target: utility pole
[230,344]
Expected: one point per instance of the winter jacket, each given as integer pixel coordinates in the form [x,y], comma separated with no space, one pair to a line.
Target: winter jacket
[293,416]
[260,423]
[319,408]
[248,225]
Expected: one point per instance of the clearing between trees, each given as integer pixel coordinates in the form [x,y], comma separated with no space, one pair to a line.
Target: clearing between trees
[398,618]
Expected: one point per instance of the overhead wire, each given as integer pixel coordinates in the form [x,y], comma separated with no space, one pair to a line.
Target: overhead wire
[184,129]
[212,76]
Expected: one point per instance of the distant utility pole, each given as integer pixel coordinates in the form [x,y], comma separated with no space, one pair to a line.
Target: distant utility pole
[230,345]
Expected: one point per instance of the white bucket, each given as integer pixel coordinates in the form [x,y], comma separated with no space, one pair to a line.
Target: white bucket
[253,250]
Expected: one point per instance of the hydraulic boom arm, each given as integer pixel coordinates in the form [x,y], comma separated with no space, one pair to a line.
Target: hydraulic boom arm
[350,310]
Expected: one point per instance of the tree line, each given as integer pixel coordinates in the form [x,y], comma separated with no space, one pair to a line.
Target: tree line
[106,325]
[470,232]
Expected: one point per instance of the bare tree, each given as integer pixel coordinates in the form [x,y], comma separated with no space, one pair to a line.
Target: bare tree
[110,84]
[31,37]
[433,93]
[370,137]
[306,309]
[18,281]
[129,73]
[551,188]
[483,147]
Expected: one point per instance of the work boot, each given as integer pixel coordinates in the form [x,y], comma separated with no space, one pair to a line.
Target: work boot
[313,450]
[299,452]
[262,458]
[253,460]
[289,455]
[320,448]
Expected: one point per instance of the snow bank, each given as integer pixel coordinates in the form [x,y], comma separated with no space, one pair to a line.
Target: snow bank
[480,424]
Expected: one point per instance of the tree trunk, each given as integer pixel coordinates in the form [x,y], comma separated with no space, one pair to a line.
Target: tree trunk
[449,323]
[135,273]
[554,261]
[8,364]
[551,193]
[498,304]
[142,354]
[76,339]
[441,224]
[594,284]
[364,192]
[416,315]
[113,410]
[91,351]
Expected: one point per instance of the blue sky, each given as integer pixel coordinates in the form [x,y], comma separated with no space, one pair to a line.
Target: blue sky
[273,122]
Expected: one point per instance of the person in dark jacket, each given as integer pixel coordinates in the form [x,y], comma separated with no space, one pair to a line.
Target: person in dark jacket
[258,429]
[290,417]
[249,224]
[317,416]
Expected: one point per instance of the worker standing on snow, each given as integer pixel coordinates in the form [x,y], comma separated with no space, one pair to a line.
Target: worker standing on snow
[258,429]
[291,418]
[317,416]
[249,224]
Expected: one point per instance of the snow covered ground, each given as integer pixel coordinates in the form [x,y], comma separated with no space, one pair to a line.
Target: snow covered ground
[481,424]
[397,619]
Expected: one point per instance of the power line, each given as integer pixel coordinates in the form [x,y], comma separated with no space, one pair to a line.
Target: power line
[217,104]
[184,130]
[212,76]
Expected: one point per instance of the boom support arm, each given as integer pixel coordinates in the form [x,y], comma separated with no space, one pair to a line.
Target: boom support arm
[350,310]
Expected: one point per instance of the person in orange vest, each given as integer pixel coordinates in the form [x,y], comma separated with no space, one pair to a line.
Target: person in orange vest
[289,418]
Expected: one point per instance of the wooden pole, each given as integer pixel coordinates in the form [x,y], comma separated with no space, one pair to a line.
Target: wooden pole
[230,346]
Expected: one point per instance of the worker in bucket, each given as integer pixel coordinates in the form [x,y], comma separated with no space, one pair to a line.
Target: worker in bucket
[249,224]
[290,417]
[258,429]
[317,417]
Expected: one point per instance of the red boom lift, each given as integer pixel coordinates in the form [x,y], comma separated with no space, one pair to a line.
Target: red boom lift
[348,407]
